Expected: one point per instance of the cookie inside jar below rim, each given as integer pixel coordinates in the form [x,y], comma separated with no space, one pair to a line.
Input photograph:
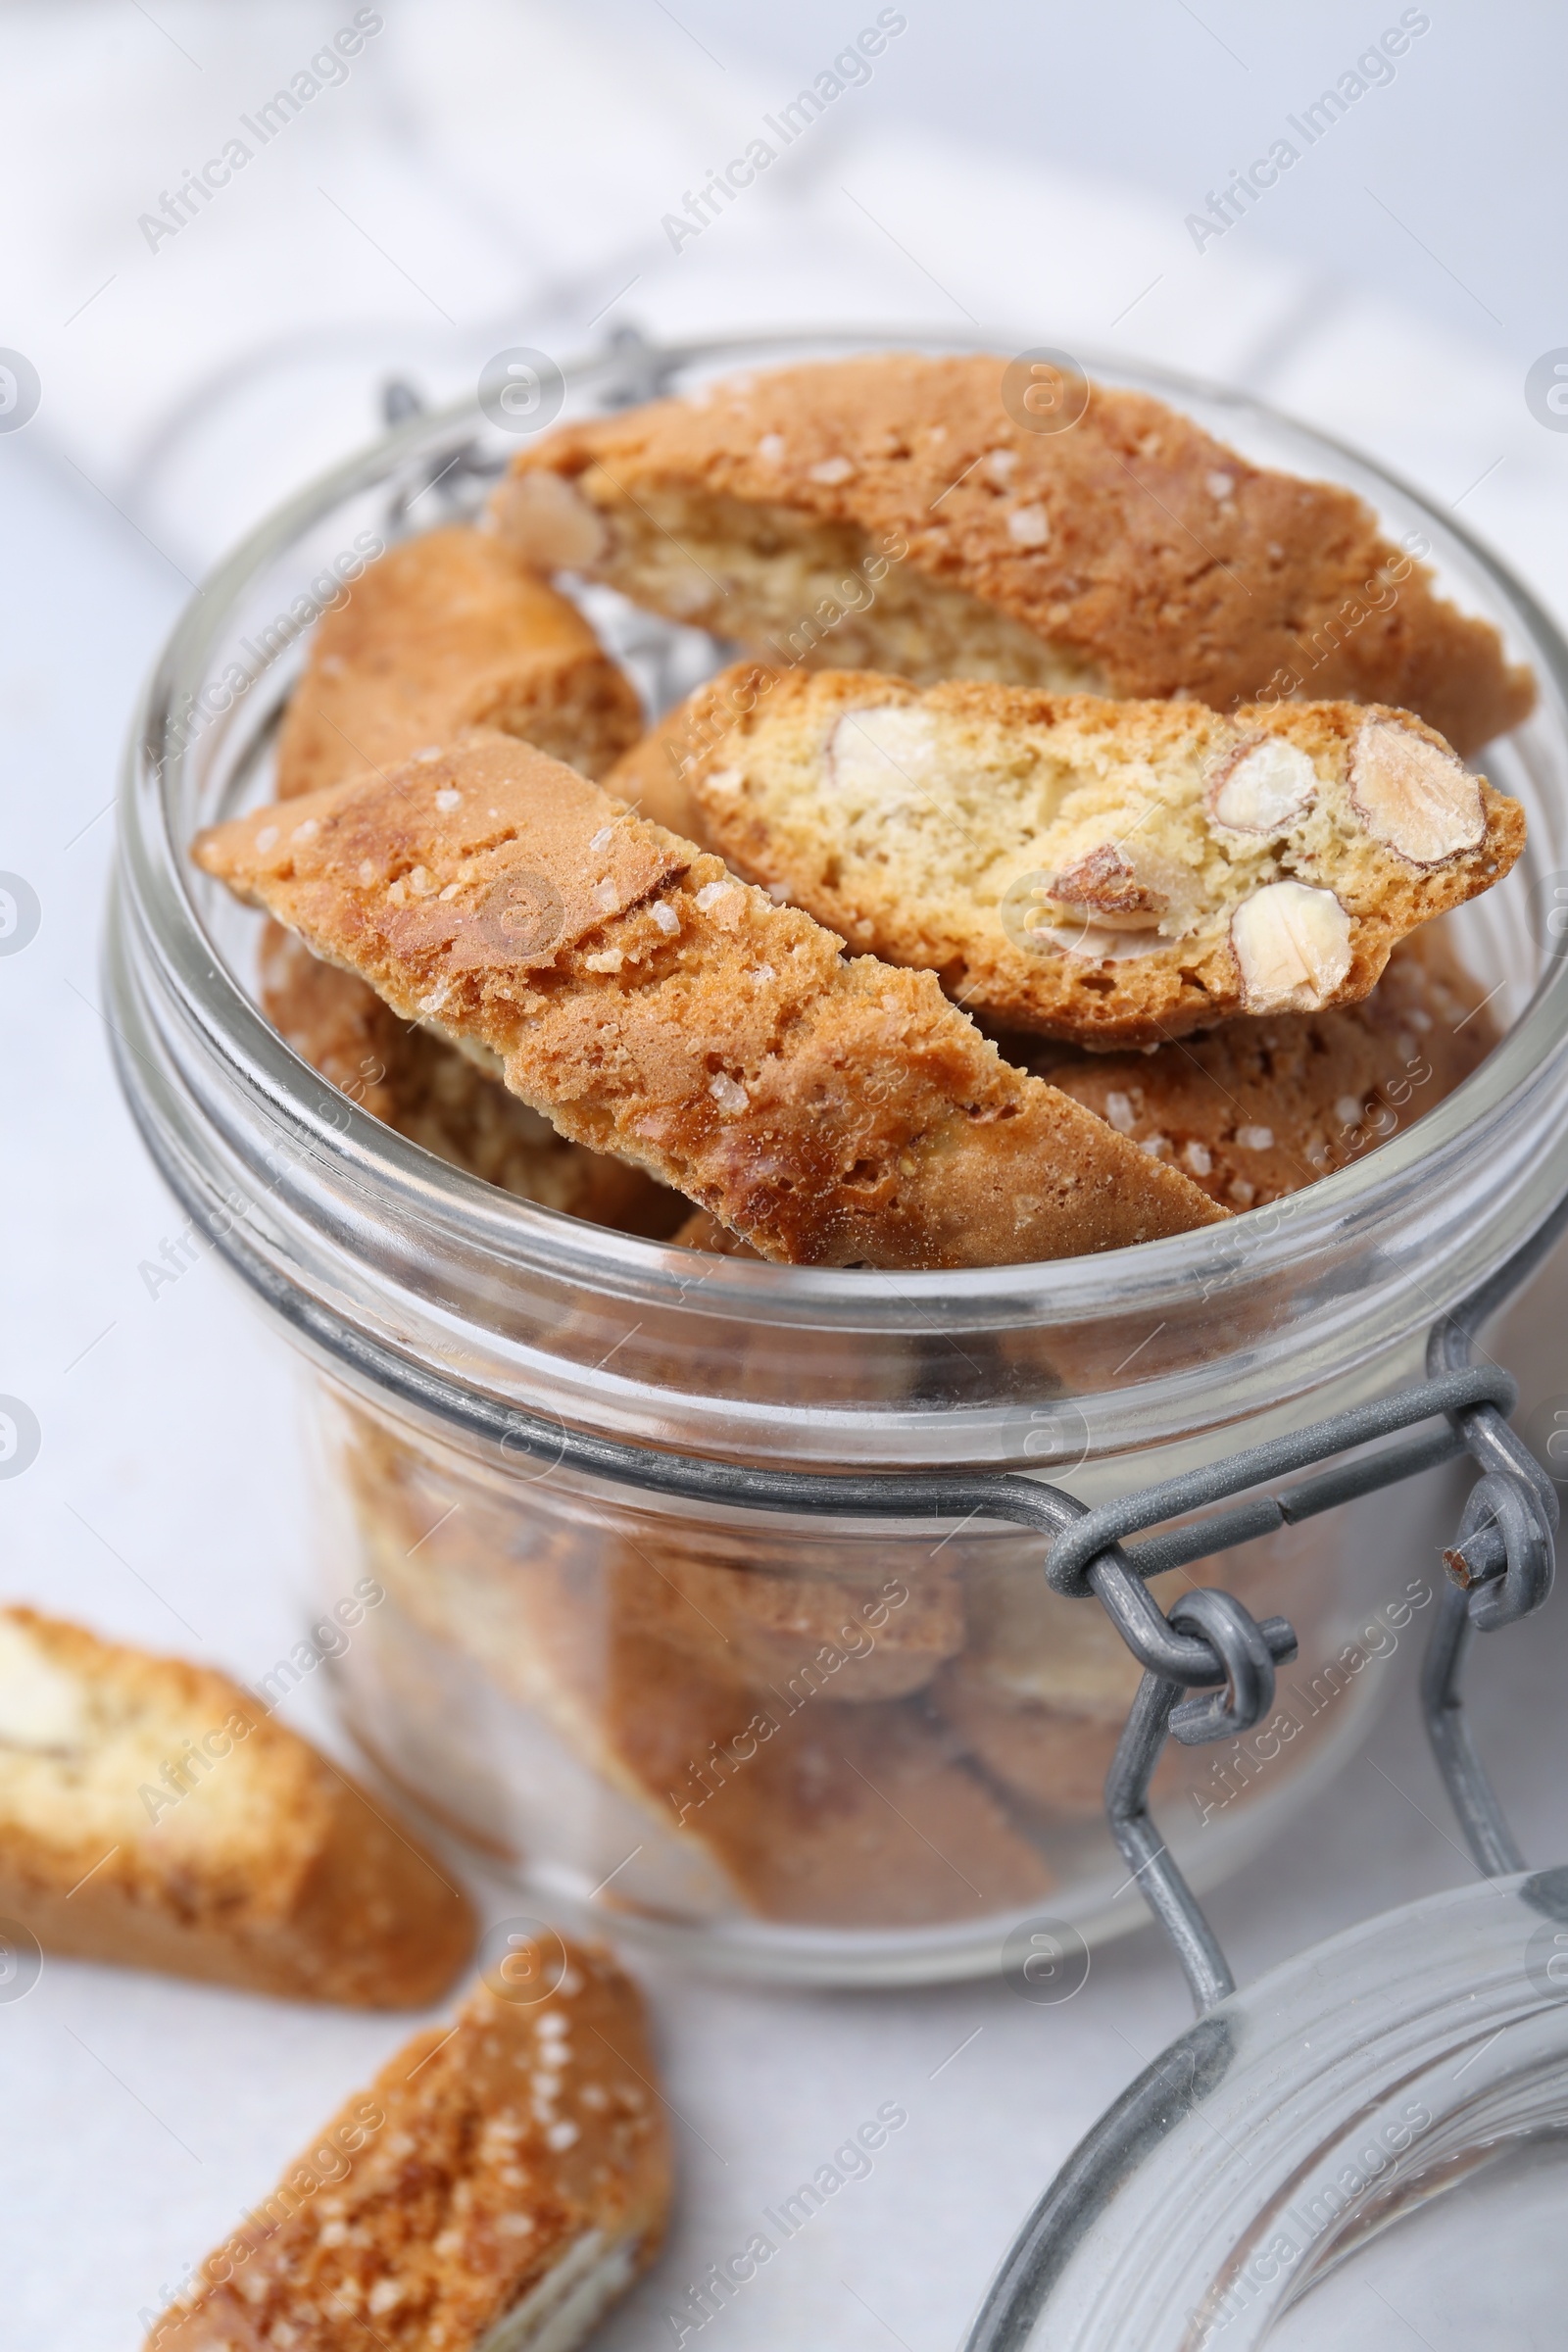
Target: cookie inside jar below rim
[812,1729]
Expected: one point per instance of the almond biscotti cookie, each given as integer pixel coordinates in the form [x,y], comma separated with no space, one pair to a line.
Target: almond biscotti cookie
[497,2188]
[891,513]
[1260,1107]
[432,1092]
[832,1112]
[153,1813]
[448,631]
[717,1768]
[805,1805]
[1119,872]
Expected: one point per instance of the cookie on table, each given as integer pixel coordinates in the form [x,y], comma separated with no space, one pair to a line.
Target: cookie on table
[832,1112]
[1259,1108]
[155,1814]
[1117,872]
[501,2183]
[447,631]
[898,512]
[437,1096]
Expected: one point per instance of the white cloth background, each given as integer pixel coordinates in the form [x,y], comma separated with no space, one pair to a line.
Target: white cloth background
[494,174]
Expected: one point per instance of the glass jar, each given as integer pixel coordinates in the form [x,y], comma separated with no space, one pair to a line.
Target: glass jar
[784,1744]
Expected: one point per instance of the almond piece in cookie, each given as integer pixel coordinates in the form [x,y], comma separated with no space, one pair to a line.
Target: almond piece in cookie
[1113,871]
[648,1004]
[897,513]
[438,1097]
[155,1814]
[447,631]
[498,2186]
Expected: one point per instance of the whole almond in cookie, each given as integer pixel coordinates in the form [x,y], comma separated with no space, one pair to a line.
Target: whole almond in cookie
[1113,871]
[832,1111]
[901,513]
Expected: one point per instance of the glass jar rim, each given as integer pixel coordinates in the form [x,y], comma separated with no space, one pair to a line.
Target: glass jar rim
[1358,1212]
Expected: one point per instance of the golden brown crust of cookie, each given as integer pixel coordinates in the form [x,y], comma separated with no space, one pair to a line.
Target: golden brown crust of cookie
[154,1814]
[649,1004]
[1132,546]
[433,1094]
[1014,842]
[514,2163]
[446,631]
[1260,1107]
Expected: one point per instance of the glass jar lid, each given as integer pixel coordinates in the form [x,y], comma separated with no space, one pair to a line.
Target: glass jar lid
[1366,2147]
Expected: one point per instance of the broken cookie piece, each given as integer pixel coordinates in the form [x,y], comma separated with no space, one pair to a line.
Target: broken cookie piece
[1115,871]
[499,2185]
[649,1004]
[447,631]
[154,1814]
[898,512]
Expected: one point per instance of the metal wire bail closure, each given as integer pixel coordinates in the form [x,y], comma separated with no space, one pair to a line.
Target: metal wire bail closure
[1249,1652]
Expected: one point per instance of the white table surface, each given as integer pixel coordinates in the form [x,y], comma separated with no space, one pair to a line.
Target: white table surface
[140,2116]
